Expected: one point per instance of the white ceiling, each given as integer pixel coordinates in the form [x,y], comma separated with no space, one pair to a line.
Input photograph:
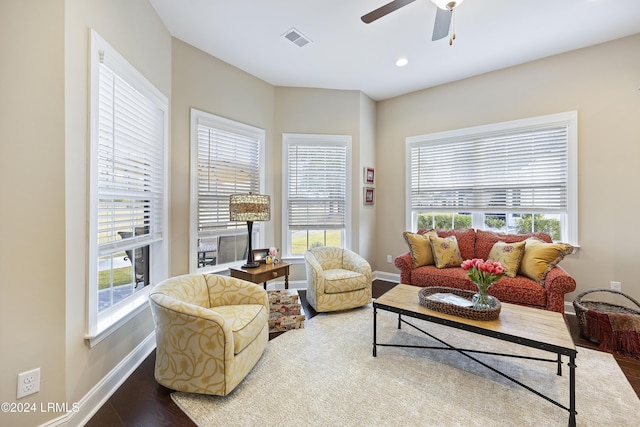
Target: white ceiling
[347,54]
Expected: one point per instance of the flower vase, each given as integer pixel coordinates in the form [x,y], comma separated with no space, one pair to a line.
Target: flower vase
[482,300]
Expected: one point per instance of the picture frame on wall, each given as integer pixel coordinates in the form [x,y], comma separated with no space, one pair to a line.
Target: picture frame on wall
[369,175]
[369,196]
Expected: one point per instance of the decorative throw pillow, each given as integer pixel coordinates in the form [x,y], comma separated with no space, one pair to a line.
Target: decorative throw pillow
[509,255]
[445,251]
[419,247]
[486,239]
[466,241]
[540,257]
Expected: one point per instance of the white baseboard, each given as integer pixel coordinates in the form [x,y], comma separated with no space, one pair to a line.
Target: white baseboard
[386,276]
[569,308]
[101,392]
[293,284]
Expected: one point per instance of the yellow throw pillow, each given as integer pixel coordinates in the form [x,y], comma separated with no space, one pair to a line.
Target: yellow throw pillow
[446,252]
[419,247]
[540,257]
[509,255]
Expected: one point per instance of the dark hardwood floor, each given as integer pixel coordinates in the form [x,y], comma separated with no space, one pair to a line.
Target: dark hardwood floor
[141,401]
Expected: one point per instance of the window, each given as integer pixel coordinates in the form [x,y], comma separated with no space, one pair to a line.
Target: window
[316,191]
[128,201]
[511,177]
[227,158]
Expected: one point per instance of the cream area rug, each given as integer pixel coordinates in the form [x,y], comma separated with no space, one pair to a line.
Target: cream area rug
[325,375]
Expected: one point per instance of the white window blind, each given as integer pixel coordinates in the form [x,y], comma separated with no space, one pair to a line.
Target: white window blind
[128,190]
[317,185]
[228,163]
[130,165]
[519,170]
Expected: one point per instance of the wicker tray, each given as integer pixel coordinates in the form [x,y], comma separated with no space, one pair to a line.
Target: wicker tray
[581,307]
[456,310]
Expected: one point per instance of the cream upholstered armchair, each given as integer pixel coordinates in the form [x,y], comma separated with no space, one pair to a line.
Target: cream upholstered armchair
[337,279]
[210,331]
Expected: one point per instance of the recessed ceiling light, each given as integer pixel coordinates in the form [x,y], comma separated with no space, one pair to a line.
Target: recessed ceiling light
[401,62]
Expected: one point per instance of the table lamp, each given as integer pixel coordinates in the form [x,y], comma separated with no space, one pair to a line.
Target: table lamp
[249,207]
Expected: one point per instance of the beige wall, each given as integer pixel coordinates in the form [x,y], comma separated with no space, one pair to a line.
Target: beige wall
[601,83]
[43,176]
[365,216]
[32,227]
[208,84]
[136,32]
[336,112]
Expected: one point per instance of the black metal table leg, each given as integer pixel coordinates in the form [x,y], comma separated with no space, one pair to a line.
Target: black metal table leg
[572,391]
[559,365]
[375,315]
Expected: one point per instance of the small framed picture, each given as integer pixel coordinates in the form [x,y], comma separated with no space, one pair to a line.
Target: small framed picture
[260,255]
[369,196]
[369,175]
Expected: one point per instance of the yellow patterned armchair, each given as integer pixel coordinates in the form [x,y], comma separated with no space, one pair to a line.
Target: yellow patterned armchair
[337,279]
[210,331]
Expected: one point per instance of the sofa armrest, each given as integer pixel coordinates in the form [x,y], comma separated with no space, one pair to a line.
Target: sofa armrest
[404,263]
[558,283]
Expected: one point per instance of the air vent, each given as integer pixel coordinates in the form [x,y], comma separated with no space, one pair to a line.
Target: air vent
[296,37]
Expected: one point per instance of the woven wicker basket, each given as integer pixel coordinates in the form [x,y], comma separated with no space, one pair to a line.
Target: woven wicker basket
[581,307]
[456,310]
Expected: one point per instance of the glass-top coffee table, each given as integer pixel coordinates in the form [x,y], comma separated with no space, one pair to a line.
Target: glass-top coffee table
[530,327]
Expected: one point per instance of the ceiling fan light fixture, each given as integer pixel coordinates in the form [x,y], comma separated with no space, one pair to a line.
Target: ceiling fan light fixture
[447,4]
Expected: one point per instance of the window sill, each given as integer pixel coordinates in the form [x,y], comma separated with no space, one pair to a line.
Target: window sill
[111,321]
[293,259]
[219,269]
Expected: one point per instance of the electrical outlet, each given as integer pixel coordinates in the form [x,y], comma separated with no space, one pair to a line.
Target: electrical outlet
[616,286]
[389,259]
[28,383]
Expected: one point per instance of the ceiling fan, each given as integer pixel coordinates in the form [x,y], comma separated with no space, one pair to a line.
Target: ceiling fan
[444,16]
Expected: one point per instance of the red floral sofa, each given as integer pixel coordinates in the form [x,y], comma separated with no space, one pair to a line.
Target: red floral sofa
[477,244]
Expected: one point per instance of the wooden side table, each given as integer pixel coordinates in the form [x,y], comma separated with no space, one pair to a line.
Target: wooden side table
[263,273]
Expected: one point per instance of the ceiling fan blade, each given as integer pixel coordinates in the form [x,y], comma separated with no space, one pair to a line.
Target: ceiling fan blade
[442,23]
[384,10]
